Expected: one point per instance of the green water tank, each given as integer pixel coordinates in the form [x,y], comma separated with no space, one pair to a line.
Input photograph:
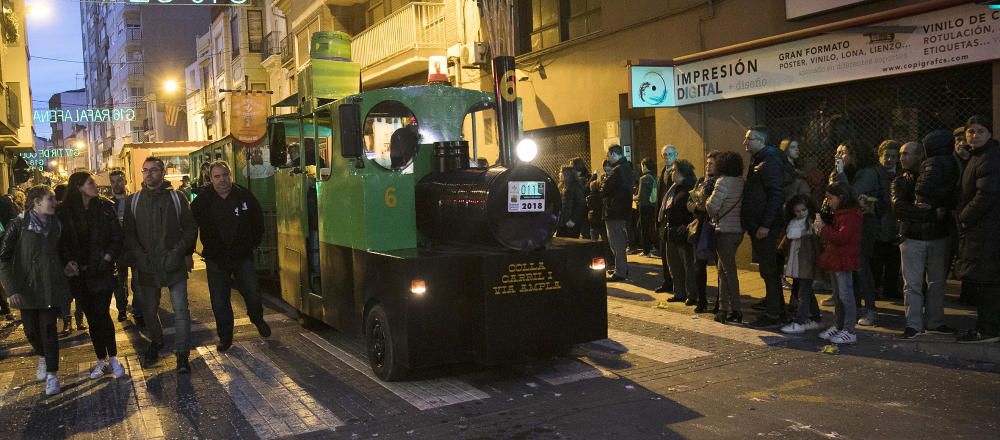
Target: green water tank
[330,46]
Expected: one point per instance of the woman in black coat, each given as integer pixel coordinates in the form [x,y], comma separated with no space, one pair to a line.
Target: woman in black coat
[573,213]
[89,247]
[675,217]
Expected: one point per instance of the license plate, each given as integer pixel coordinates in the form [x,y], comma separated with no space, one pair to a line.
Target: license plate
[525,196]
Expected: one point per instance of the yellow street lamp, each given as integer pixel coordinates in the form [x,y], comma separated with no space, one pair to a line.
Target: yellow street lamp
[171,86]
[53,163]
[80,145]
[38,11]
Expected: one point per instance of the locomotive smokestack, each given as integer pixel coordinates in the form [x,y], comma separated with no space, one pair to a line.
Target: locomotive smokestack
[498,20]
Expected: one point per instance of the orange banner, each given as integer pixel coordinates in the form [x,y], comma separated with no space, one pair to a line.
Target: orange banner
[248,117]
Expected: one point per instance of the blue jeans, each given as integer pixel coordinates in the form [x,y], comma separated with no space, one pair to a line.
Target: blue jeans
[808,309]
[150,303]
[843,296]
[220,287]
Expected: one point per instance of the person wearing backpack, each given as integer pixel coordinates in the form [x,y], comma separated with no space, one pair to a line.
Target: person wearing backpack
[646,199]
[160,233]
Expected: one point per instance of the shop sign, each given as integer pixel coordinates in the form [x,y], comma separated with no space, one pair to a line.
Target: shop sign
[85,115]
[175,2]
[248,117]
[652,86]
[965,34]
[40,158]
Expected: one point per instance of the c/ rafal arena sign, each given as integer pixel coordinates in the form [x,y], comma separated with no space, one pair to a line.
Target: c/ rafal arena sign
[85,115]
[964,34]
[172,2]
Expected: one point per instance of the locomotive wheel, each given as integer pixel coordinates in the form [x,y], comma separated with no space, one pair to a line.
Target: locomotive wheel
[381,346]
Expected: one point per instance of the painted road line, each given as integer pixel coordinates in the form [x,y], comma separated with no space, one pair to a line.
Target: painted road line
[566,371]
[649,348]
[274,404]
[703,326]
[149,419]
[422,394]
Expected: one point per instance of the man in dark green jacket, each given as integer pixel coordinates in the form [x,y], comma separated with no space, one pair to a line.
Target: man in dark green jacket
[160,233]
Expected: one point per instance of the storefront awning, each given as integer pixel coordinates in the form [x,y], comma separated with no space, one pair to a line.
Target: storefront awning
[291,101]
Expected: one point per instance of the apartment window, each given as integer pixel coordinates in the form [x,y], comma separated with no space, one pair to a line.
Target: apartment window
[545,30]
[255,30]
[584,17]
[258,86]
[234,32]
[551,22]
[136,92]
[379,9]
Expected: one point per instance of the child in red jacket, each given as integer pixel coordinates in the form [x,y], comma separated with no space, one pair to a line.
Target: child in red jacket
[842,247]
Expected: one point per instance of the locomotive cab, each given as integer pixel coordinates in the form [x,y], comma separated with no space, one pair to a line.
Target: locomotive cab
[431,263]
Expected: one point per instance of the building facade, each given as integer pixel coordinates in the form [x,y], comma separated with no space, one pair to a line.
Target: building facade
[229,57]
[132,52]
[575,82]
[16,132]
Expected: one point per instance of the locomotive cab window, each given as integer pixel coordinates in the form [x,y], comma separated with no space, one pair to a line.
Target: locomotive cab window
[391,136]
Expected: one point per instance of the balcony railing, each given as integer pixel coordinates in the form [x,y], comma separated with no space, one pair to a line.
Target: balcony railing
[287,54]
[133,34]
[417,26]
[274,44]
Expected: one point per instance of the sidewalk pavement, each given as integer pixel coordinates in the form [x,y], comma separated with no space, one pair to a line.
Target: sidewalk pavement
[646,276]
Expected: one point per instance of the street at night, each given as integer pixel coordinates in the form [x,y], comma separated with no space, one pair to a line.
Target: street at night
[660,374]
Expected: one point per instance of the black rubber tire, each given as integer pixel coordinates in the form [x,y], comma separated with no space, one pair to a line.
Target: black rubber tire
[381,346]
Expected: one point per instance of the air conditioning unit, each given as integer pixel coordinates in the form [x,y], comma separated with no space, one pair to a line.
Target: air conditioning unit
[476,53]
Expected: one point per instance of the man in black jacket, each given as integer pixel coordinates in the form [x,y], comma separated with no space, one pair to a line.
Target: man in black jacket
[231,223]
[617,193]
[669,154]
[978,223]
[924,249]
[763,195]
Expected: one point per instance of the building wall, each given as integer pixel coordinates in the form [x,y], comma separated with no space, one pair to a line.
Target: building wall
[585,77]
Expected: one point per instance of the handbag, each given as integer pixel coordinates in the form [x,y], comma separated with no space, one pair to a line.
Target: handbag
[693,230]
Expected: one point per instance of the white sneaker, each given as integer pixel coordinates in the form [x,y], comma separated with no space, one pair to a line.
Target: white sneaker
[793,328]
[52,385]
[868,319]
[41,372]
[844,337]
[826,334]
[812,325]
[100,369]
[117,370]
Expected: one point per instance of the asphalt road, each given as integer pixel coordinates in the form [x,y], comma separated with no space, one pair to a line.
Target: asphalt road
[661,374]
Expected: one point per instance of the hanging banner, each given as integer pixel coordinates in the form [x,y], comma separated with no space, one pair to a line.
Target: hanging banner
[961,35]
[248,117]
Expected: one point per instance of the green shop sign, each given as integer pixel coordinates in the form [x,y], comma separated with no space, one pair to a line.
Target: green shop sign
[172,2]
[85,115]
[40,158]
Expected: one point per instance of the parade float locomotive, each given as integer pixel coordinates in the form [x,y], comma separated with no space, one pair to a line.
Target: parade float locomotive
[385,231]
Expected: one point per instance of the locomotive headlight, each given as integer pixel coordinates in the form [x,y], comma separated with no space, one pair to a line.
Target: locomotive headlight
[526,150]
[418,287]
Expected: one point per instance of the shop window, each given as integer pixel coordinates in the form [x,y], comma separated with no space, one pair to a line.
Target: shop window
[391,136]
